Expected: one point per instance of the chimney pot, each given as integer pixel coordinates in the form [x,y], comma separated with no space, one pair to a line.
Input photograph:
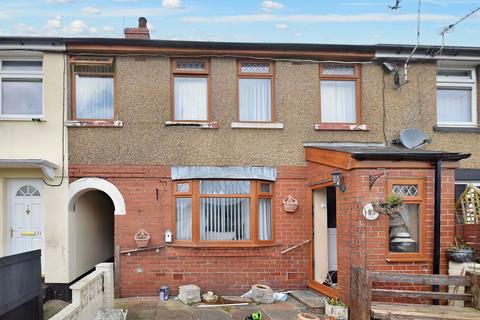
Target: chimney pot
[142,22]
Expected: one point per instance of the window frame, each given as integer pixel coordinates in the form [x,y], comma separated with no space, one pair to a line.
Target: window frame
[75,61]
[190,74]
[250,75]
[194,194]
[22,75]
[358,94]
[420,199]
[459,83]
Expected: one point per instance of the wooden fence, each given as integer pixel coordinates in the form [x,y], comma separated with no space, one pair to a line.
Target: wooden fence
[362,294]
[21,286]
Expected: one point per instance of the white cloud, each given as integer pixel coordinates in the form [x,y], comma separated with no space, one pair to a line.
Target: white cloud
[23,29]
[60,1]
[270,5]
[108,29]
[319,18]
[90,10]
[53,24]
[172,4]
[281,26]
[297,34]
[78,27]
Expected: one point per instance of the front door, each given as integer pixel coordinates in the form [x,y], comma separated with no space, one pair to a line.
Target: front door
[25,216]
[324,253]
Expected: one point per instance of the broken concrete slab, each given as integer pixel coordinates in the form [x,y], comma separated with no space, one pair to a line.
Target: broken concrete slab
[311,299]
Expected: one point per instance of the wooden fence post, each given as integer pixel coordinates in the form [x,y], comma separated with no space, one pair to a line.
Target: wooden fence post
[474,289]
[360,301]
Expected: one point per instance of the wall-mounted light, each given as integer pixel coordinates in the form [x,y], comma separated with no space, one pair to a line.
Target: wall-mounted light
[337,180]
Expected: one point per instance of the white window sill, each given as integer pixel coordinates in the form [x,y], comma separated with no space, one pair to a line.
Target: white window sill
[257,125]
[23,119]
[192,124]
[94,123]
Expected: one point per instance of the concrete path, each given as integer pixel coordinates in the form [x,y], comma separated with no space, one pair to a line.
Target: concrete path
[153,309]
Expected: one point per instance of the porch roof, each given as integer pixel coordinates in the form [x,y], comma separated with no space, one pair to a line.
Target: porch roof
[348,156]
[46,166]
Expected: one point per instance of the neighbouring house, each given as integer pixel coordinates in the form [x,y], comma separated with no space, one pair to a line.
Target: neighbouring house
[205,141]
[33,153]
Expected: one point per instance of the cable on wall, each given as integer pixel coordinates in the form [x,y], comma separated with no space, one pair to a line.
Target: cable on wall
[63,126]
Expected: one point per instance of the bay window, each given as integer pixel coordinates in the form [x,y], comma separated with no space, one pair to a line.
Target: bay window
[93,88]
[456,97]
[191,92]
[406,236]
[255,91]
[225,212]
[339,93]
[21,89]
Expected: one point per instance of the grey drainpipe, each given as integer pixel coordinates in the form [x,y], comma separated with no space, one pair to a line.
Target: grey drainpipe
[437,221]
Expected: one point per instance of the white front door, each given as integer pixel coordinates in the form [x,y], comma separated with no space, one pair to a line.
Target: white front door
[25,216]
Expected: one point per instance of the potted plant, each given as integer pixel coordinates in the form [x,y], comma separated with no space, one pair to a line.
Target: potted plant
[142,238]
[336,308]
[459,251]
[393,204]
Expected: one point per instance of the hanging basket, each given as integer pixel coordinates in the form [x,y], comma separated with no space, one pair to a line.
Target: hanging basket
[290,204]
[142,238]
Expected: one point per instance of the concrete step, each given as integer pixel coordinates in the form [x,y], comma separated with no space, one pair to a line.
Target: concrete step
[311,299]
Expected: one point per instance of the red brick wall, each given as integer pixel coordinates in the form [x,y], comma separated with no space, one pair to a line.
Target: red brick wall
[233,271]
[226,271]
[469,233]
[363,243]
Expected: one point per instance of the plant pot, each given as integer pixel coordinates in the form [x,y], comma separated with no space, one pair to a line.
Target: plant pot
[461,255]
[337,311]
[142,238]
[142,243]
[387,209]
[290,204]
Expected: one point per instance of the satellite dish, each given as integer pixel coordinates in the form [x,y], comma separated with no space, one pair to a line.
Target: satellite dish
[413,138]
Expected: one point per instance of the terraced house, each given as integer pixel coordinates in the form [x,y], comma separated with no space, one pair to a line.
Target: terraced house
[254,163]
[200,144]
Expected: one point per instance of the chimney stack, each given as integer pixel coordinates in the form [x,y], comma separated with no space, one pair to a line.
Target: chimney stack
[141,32]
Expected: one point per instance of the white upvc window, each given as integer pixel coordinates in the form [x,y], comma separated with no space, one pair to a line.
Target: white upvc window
[21,88]
[457,97]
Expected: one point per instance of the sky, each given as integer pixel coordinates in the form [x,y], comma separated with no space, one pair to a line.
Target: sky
[299,21]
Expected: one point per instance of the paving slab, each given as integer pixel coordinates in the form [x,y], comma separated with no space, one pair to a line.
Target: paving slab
[311,299]
[52,307]
[150,308]
[210,314]
[241,313]
[138,308]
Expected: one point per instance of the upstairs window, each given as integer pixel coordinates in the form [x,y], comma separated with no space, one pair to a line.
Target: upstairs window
[255,90]
[21,89]
[93,88]
[225,212]
[339,93]
[191,93]
[456,97]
